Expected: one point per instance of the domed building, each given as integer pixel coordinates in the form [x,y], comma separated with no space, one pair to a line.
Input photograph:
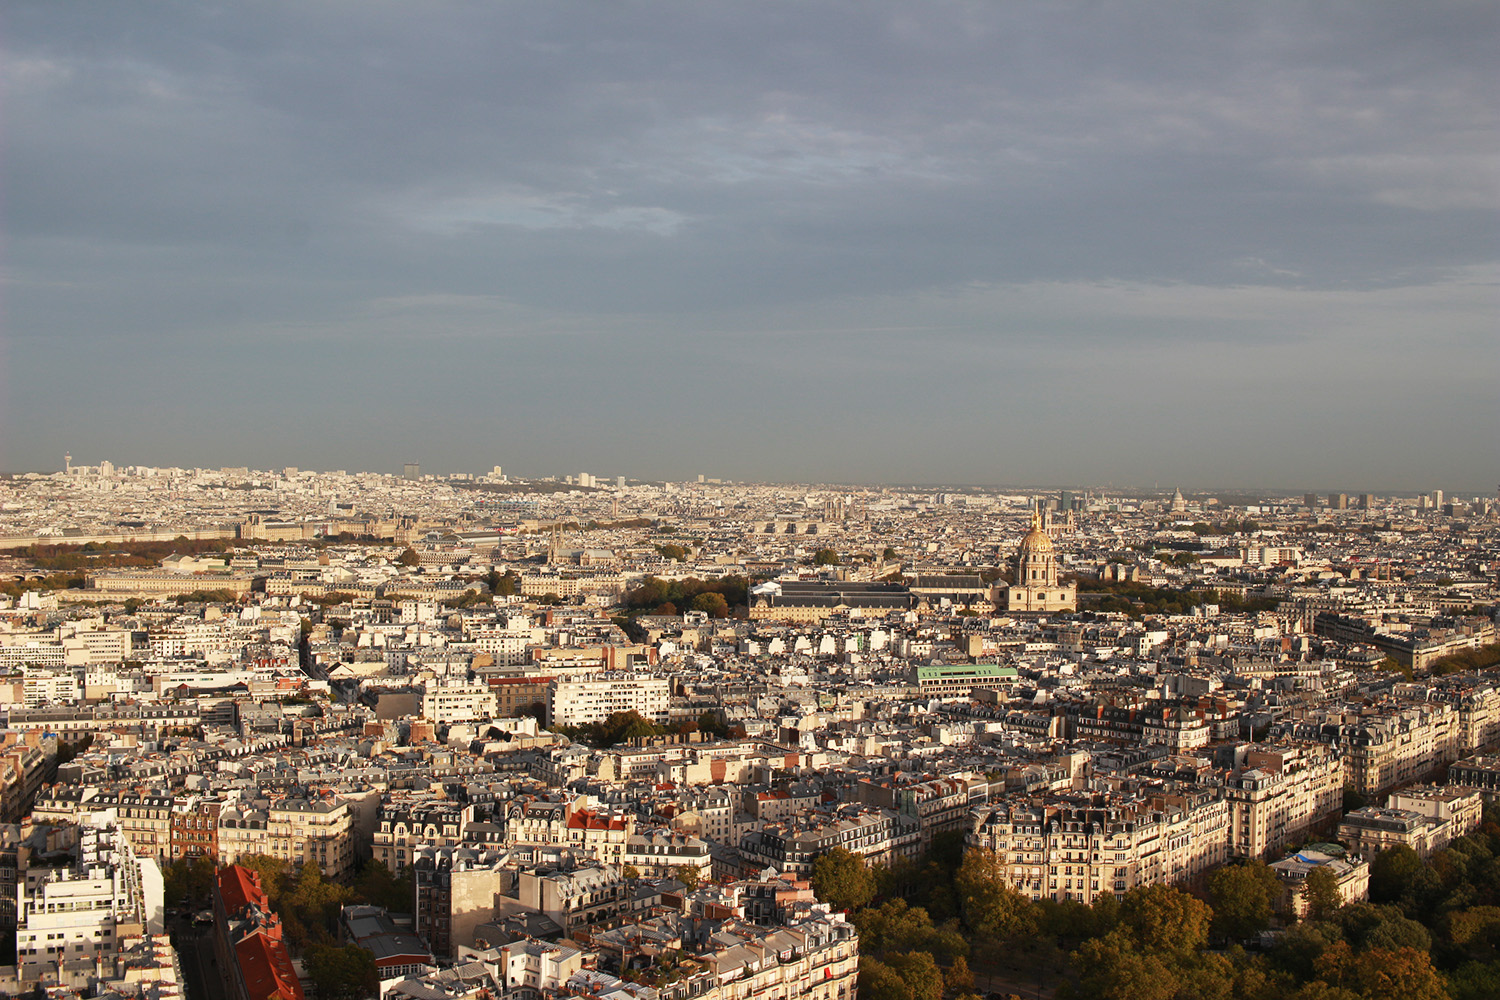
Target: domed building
[1037,587]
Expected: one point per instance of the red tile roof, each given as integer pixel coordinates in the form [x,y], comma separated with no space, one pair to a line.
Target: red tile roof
[239,887]
[267,969]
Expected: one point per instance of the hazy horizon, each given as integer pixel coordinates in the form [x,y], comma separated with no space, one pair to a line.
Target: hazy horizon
[802,242]
[1238,491]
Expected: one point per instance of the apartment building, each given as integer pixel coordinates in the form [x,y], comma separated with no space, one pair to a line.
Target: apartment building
[519,695]
[1481,772]
[1426,819]
[1081,847]
[320,830]
[792,845]
[958,681]
[661,853]
[405,827]
[84,910]
[1281,794]
[599,833]
[576,898]
[144,818]
[1352,876]
[99,645]
[1388,745]
[457,889]
[26,764]
[449,700]
[577,700]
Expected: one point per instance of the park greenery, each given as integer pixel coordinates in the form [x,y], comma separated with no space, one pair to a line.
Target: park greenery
[622,727]
[719,598]
[119,555]
[1138,599]
[1429,931]
[1468,661]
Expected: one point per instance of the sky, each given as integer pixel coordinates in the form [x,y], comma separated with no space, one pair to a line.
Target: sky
[1197,244]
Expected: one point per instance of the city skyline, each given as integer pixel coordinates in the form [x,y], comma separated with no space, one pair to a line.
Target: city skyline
[615,479]
[781,242]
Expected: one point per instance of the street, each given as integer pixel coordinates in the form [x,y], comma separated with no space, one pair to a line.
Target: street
[195,951]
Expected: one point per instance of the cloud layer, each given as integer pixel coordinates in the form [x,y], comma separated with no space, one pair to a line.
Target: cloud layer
[1080,243]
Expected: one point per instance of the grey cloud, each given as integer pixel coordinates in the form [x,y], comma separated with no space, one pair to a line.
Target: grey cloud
[654,194]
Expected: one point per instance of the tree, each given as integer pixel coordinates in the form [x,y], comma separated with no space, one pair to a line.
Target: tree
[1112,969]
[825,557]
[377,885]
[346,973]
[409,558]
[709,723]
[1393,872]
[674,552]
[1244,897]
[957,978]
[713,604]
[1164,919]
[988,903]
[1367,925]
[1396,974]
[1321,890]
[878,981]
[841,880]
[1476,930]
[888,554]
[1475,981]
[191,879]
[920,973]
[630,873]
[688,876]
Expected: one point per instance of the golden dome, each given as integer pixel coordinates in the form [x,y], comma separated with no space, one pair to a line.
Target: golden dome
[1036,541]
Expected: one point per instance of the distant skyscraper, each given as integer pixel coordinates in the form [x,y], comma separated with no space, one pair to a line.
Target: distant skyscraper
[495,473]
[412,470]
[1437,498]
[1366,501]
[1310,501]
[619,482]
[1338,501]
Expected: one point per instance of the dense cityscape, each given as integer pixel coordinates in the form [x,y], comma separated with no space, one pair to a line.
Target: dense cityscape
[284,733]
[775,500]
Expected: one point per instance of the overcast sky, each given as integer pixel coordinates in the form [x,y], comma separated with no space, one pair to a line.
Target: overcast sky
[1096,243]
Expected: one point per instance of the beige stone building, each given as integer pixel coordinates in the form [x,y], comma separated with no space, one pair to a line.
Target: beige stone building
[1080,847]
[1352,875]
[1426,819]
[1037,587]
[1280,795]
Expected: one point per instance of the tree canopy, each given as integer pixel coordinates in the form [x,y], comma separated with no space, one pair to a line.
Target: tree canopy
[841,879]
